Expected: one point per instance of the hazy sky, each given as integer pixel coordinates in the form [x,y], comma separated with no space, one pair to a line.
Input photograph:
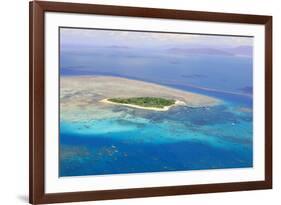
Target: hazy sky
[110,38]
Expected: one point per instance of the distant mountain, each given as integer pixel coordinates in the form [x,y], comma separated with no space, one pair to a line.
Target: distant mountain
[118,47]
[240,50]
[207,51]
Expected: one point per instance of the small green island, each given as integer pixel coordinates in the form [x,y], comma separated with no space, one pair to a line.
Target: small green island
[151,102]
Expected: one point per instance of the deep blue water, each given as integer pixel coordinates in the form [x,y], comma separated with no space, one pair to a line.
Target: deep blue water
[179,139]
[225,73]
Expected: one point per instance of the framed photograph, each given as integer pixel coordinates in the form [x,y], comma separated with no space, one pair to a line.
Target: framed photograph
[139,102]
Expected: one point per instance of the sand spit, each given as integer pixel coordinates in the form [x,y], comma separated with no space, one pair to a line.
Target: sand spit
[166,108]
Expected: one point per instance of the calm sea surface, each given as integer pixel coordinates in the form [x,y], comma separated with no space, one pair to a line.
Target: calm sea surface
[182,138]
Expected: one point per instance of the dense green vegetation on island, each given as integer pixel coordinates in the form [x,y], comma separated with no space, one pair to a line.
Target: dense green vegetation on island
[144,101]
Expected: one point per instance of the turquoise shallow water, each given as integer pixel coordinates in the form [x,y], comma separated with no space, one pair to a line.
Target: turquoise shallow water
[148,141]
[145,141]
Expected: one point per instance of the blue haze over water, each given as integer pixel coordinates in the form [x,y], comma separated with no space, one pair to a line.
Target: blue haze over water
[180,139]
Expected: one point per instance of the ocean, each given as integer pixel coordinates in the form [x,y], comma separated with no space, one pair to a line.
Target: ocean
[181,139]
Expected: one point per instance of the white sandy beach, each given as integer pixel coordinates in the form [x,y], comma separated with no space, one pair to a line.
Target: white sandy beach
[165,108]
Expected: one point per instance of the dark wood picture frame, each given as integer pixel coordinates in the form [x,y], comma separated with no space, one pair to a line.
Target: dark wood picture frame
[37,193]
